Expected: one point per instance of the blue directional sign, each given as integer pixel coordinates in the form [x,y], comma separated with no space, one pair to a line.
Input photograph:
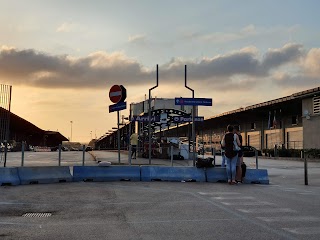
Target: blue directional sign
[184,119]
[117,107]
[145,119]
[193,101]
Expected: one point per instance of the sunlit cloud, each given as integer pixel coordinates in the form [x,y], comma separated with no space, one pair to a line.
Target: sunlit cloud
[242,69]
[137,39]
[65,27]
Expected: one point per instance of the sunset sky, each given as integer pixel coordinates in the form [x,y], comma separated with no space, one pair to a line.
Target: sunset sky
[62,57]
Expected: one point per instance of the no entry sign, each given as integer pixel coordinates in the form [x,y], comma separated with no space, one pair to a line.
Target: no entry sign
[117,93]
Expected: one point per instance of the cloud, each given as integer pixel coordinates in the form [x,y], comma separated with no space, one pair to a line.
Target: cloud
[249,32]
[277,57]
[311,63]
[137,39]
[287,81]
[243,68]
[65,27]
[219,37]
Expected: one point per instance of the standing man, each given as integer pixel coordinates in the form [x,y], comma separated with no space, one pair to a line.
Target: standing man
[134,143]
[240,155]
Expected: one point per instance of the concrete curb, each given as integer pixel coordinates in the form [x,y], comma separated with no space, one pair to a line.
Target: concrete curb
[290,159]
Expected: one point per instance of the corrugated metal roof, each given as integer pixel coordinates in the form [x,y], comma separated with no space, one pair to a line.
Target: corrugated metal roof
[297,95]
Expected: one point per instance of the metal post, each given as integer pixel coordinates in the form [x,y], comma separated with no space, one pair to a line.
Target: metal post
[83,154]
[149,115]
[129,154]
[256,153]
[22,153]
[171,149]
[8,128]
[5,152]
[193,115]
[213,152]
[71,131]
[59,161]
[130,148]
[118,136]
[305,168]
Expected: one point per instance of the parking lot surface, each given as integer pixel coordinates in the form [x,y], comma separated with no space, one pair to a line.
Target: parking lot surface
[285,209]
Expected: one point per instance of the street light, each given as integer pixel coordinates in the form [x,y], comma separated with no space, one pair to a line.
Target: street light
[90,135]
[71,131]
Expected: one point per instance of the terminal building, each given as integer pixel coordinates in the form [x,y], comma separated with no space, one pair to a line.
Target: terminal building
[22,130]
[290,122]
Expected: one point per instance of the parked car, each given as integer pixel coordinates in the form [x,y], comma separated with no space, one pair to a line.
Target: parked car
[249,151]
[56,148]
[53,149]
[88,148]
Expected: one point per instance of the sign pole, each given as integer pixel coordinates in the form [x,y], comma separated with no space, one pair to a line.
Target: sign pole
[118,133]
[149,114]
[117,95]
[193,131]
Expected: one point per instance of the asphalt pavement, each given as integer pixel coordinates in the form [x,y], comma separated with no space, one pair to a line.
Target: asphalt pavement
[68,158]
[285,209]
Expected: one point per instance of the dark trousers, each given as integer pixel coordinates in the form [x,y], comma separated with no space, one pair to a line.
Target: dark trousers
[134,150]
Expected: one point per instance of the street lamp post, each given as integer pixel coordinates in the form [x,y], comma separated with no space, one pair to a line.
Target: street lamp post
[71,131]
[90,135]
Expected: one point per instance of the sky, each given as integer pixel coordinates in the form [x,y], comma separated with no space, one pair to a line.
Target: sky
[62,57]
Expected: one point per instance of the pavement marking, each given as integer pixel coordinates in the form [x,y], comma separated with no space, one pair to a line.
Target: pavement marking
[247,203]
[290,189]
[303,230]
[268,210]
[308,193]
[183,220]
[218,193]
[290,218]
[282,234]
[23,224]
[101,202]
[267,185]
[233,197]
[11,203]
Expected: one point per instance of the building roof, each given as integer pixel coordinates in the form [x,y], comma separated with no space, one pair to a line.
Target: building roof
[294,96]
[23,126]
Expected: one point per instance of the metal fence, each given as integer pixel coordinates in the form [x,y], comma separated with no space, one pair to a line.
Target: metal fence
[5,109]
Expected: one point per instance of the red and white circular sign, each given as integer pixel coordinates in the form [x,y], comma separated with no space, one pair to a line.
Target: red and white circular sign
[117,93]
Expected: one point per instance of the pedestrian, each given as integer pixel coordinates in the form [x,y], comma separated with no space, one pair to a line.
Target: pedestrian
[239,178]
[134,143]
[229,142]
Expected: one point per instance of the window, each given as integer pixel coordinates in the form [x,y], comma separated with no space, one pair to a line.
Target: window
[253,126]
[316,105]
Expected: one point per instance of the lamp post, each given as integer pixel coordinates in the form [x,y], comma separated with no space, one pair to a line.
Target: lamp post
[71,131]
[90,135]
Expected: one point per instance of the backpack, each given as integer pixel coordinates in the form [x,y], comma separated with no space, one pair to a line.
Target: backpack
[229,145]
[204,163]
[244,169]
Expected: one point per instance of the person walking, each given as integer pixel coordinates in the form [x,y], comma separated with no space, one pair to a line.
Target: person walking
[228,142]
[240,156]
[134,143]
